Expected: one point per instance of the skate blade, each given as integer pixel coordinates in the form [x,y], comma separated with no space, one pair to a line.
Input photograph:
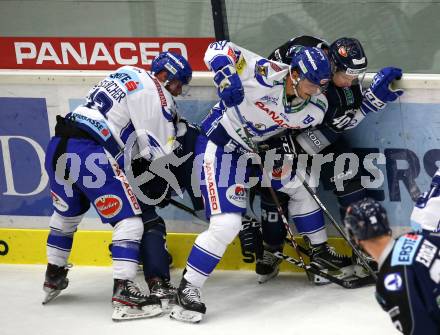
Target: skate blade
[265,278]
[343,273]
[347,271]
[360,271]
[168,304]
[123,313]
[180,314]
[50,295]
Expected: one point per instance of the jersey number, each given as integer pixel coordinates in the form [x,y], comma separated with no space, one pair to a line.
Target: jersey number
[100,101]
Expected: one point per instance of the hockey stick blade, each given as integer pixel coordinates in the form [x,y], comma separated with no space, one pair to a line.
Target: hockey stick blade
[345,283]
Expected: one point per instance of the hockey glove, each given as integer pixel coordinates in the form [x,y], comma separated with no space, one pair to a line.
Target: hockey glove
[229,87]
[380,92]
[251,237]
[287,147]
[284,145]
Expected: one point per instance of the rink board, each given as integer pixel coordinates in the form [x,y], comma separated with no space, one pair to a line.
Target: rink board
[406,133]
[28,246]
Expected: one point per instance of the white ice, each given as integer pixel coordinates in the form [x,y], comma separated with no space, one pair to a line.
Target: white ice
[236,304]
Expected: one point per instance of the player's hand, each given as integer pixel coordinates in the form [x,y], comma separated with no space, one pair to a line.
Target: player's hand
[284,145]
[381,91]
[229,87]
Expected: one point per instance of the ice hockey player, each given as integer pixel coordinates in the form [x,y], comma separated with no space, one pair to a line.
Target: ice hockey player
[347,107]
[426,213]
[408,286]
[259,99]
[85,164]
[154,255]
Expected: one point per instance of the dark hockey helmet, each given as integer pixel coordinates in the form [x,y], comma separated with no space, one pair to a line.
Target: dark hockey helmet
[311,64]
[176,66]
[366,219]
[347,55]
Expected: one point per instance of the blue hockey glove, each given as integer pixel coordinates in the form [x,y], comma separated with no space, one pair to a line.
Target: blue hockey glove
[380,92]
[229,87]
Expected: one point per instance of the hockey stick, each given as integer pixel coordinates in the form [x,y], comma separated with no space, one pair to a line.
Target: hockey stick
[185,208]
[273,195]
[338,228]
[354,283]
[312,268]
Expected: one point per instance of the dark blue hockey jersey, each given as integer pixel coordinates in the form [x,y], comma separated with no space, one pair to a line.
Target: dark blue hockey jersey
[408,285]
[344,103]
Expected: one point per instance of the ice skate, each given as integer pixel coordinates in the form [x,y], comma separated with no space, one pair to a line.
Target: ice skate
[163,289]
[129,303]
[268,267]
[189,306]
[55,281]
[328,260]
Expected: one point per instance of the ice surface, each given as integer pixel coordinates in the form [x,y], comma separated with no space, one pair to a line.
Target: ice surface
[236,304]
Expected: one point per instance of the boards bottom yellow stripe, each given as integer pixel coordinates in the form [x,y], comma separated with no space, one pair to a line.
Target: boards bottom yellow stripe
[28,246]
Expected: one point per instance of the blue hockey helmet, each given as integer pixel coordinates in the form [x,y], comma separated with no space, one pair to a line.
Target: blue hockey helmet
[312,64]
[366,219]
[347,55]
[176,66]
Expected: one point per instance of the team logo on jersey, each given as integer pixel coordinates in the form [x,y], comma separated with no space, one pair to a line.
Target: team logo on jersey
[393,282]
[236,195]
[405,249]
[58,203]
[131,85]
[108,206]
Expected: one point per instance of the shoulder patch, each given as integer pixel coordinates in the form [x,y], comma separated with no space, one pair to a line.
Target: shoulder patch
[405,249]
[393,282]
[241,64]
[129,79]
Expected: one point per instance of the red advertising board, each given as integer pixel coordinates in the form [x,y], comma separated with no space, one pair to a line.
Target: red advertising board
[95,53]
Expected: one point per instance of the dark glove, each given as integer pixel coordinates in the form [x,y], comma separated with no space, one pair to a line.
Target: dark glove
[287,147]
[284,145]
[229,87]
[251,238]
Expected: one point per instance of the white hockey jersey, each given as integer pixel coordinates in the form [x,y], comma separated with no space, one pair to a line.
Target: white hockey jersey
[426,212]
[264,111]
[131,99]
